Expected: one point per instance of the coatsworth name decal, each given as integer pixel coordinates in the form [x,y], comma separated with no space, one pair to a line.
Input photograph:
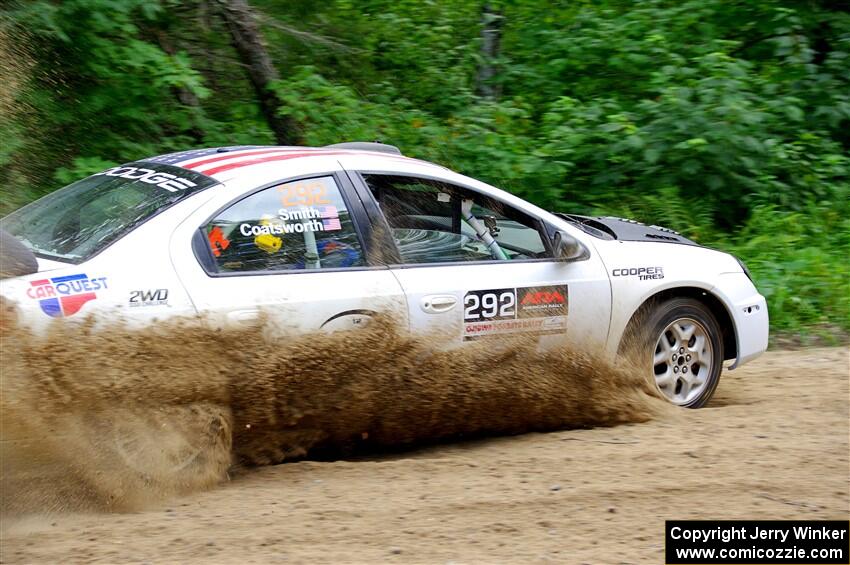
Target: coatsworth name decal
[64,296]
[308,219]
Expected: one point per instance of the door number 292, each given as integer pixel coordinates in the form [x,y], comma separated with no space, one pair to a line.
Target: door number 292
[489,305]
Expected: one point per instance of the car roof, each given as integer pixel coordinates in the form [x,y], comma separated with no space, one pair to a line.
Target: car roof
[223,163]
[255,165]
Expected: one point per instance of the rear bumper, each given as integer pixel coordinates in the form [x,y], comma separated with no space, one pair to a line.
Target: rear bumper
[748,310]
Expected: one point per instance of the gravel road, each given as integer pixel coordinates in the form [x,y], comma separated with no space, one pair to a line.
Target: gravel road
[772,444]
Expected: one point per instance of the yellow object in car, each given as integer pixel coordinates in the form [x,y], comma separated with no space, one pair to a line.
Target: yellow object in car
[266,241]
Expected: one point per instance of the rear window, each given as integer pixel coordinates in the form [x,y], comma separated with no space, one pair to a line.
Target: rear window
[80,220]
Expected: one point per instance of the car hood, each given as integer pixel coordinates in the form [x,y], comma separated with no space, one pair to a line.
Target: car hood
[609,227]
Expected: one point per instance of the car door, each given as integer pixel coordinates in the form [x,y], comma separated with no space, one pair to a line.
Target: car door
[474,267]
[295,250]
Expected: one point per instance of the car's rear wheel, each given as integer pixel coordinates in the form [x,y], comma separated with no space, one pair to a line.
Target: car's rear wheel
[684,343]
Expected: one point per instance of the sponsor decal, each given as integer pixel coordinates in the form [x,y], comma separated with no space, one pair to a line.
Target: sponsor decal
[642,273]
[542,301]
[156,297]
[167,181]
[59,297]
[529,310]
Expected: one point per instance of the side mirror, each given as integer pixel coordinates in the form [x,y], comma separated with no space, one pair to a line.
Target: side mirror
[16,259]
[568,248]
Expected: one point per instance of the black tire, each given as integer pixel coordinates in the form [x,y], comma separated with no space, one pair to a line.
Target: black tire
[646,335]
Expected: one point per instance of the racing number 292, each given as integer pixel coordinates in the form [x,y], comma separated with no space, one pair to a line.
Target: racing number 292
[303,193]
[489,305]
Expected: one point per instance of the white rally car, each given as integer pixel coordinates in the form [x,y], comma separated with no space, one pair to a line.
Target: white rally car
[326,237]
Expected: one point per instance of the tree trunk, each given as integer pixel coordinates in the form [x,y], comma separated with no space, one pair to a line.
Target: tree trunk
[491,36]
[185,96]
[245,35]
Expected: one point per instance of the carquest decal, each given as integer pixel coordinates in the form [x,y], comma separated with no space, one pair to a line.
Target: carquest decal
[534,310]
[642,273]
[64,296]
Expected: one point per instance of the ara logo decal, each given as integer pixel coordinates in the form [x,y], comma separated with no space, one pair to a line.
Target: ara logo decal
[543,297]
[64,296]
[541,301]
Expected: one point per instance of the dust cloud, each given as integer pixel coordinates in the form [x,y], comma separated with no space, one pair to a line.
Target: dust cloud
[99,416]
[15,67]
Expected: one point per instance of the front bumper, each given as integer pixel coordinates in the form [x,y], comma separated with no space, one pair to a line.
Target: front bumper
[748,310]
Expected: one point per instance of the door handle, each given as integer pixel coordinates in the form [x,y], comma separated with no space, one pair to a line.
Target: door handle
[243,317]
[438,303]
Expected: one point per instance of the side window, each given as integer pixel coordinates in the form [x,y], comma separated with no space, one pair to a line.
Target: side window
[435,222]
[303,224]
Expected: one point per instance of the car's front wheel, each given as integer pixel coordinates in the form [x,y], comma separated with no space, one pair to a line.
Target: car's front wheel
[684,342]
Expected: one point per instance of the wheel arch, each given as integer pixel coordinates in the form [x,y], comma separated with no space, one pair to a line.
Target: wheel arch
[709,299]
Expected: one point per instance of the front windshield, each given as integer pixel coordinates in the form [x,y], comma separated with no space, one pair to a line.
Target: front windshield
[80,220]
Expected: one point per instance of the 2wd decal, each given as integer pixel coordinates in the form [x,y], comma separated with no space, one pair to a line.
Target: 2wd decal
[535,310]
[59,297]
[156,297]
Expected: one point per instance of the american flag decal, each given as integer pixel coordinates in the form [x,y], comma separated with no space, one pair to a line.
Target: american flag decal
[330,218]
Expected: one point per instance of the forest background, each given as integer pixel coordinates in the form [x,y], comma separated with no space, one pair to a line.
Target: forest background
[726,120]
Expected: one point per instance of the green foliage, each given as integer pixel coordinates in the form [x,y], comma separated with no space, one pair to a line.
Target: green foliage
[81,167]
[728,120]
[800,261]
